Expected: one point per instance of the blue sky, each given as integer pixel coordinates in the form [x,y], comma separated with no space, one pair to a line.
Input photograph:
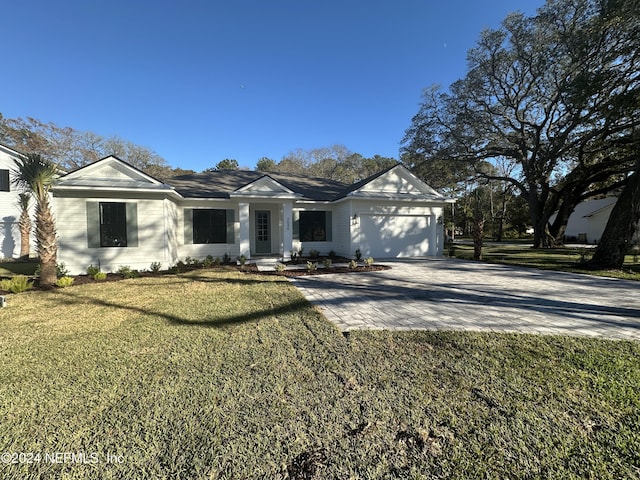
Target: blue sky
[198,81]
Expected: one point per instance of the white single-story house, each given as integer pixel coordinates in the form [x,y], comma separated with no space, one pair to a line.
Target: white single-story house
[111,214]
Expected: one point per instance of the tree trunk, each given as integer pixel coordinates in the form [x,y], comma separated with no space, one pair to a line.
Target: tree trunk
[47,246]
[478,234]
[25,232]
[621,226]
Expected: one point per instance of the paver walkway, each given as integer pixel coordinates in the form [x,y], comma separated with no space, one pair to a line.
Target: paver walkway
[439,294]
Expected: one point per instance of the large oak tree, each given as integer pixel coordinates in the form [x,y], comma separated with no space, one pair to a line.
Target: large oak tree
[554,96]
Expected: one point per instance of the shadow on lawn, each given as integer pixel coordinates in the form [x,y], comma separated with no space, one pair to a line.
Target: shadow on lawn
[73,298]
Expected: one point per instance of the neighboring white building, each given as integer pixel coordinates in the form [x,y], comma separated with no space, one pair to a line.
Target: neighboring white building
[112,214]
[589,219]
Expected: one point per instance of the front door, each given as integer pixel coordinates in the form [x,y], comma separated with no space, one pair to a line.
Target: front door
[263,231]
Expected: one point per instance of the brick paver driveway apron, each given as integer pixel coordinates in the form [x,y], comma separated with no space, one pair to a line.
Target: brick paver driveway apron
[450,294]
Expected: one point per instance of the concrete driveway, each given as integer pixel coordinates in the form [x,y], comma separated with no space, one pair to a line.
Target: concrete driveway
[451,294]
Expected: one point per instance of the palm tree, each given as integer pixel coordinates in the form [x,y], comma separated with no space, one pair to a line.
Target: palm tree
[24,223]
[38,174]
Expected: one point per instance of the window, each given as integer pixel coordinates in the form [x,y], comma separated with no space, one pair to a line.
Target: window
[315,226]
[113,224]
[209,226]
[4,181]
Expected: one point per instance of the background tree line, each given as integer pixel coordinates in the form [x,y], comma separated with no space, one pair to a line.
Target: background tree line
[70,149]
[549,109]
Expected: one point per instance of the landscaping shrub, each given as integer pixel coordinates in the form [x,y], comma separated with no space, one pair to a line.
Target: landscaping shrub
[280,267]
[92,270]
[208,261]
[226,259]
[327,263]
[353,264]
[242,260]
[16,284]
[99,276]
[65,281]
[358,254]
[312,266]
[155,267]
[127,272]
[368,261]
[61,270]
[313,253]
[217,262]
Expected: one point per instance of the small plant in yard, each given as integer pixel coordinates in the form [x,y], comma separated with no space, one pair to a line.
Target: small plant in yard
[16,284]
[242,260]
[125,271]
[61,270]
[312,266]
[226,259]
[63,282]
[332,254]
[178,267]
[280,267]
[155,267]
[99,276]
[327,263]
[313,253]
[353,264]
[92,270]
[358,255]
[208,261]
[294,257]
[368,261]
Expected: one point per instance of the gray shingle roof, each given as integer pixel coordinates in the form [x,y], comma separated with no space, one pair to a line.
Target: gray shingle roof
[221,183]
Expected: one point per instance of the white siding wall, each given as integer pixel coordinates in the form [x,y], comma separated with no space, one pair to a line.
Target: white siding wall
[74,250]
[342,230]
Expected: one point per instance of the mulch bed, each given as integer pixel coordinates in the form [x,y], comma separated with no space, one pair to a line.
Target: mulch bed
[250,268]
[325,271]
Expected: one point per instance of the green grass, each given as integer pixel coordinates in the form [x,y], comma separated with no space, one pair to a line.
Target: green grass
[219,374]
[566,259]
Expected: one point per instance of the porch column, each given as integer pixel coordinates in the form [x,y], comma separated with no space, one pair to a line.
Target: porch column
[245,239]
[287,230]
[433,235]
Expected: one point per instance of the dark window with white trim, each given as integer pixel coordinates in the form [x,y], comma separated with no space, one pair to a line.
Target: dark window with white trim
[209,226]
[315,226]
[113,224]
[4,181]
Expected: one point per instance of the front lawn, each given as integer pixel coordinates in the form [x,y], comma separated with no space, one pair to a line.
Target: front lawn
[221,374]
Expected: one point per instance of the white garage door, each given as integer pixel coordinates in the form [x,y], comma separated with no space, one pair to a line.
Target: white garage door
[390,236]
